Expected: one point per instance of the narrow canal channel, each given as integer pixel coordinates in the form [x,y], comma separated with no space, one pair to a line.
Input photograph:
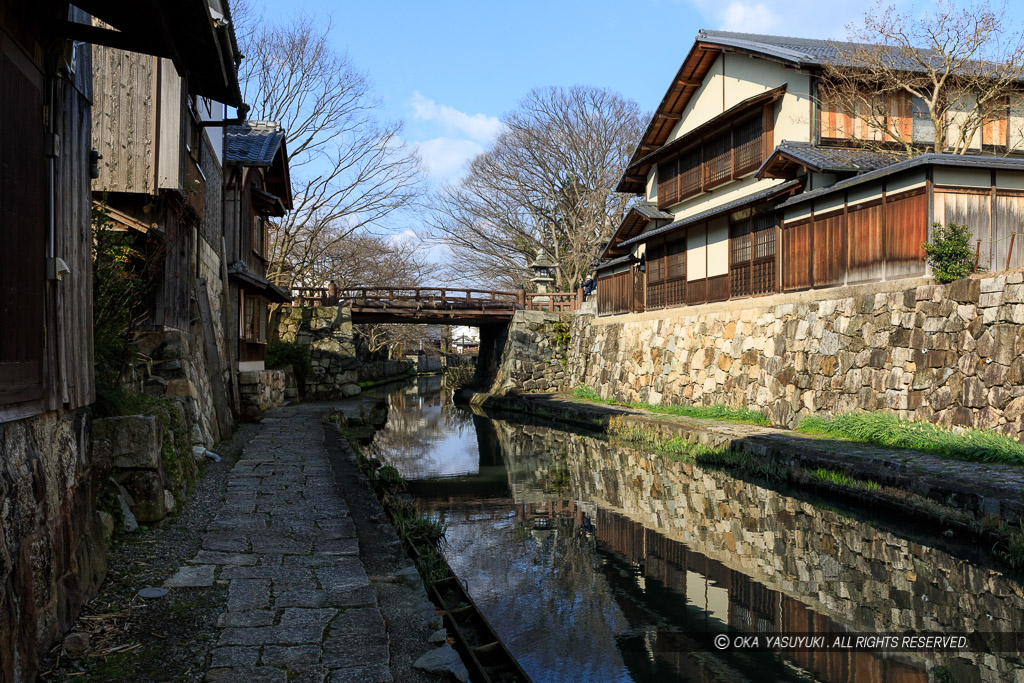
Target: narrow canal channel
[596,562]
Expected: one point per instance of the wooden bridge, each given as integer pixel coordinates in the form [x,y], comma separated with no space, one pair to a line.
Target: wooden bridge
[436,305]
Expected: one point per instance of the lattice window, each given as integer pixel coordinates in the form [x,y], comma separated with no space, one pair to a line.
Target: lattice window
[676,258]
[717,160]
[668,186]
[746,140]
[689,173]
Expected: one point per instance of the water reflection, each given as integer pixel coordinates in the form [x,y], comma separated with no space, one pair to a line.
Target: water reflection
[597,563]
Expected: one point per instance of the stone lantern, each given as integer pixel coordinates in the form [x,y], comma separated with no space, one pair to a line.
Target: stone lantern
[543,268]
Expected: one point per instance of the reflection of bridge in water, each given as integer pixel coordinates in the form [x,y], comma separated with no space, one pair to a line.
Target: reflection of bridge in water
[436,306]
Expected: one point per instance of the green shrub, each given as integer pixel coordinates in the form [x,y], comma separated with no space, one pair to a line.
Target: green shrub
[119,283]
[949,252]
[282,353]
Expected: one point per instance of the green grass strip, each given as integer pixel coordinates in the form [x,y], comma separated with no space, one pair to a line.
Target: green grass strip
[714,412]
[886,429]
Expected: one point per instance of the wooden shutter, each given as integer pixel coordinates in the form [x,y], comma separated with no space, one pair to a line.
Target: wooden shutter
[22,229]
[668,187]
[689,173]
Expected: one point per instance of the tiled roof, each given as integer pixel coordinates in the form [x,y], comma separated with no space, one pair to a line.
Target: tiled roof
[254,143]
[813,52]
[651,211]
[833,159]
[957,160]
[614,262]
[773,191]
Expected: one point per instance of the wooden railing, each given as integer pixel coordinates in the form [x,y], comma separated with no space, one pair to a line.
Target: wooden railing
[439,297]
[556,302]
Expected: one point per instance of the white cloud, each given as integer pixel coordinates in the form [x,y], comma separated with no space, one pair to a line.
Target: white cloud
[446,158]
[799,18]
[749,18]
[479,127]
[407,235]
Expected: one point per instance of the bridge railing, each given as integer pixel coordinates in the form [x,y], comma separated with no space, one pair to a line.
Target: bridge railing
[439,297]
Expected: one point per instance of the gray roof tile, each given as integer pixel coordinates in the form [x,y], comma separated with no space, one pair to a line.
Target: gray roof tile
[253,143]
[833,159]
[933,159]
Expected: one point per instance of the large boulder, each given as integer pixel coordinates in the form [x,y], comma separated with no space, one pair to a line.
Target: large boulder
[136,440]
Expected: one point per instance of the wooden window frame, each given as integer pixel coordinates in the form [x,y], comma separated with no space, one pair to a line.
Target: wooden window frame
[696,160]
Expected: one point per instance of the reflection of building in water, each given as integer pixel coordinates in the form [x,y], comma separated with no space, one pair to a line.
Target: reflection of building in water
[731,598]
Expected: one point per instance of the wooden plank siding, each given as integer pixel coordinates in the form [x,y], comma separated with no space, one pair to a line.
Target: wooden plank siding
[46,349]
[71,382]
[906,222]
[124,125]
[615,293]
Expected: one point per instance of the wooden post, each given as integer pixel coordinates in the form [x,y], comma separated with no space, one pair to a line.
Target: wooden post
[1009,254]
[579,299]
[977,255]
[521,297]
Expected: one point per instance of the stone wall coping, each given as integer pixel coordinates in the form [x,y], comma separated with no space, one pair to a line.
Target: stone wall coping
[763,302]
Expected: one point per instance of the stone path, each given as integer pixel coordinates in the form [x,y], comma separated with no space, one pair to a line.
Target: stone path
[300,606]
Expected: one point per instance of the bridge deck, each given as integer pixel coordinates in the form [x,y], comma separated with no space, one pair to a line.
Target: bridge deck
[435,306]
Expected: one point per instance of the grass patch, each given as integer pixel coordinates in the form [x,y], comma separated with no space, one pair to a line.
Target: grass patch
[720,412]
[886,429]
[840,478]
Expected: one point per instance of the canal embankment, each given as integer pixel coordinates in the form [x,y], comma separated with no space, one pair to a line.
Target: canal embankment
[978,499]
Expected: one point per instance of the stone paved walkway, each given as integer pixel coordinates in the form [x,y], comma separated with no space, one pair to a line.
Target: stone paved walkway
[300,606]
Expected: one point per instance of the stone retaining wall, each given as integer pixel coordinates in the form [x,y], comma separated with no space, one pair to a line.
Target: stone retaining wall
[260,390]
[534,357]
[952,354]
[52,539]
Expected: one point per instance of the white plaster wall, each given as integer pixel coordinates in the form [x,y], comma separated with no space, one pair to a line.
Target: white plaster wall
[718,246]
[1010,180]
[723,195]
[905,182]
[962,177]
[745,77]
[696,253]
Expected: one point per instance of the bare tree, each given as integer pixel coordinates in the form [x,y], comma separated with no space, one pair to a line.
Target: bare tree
[929,81]
[349,170]
[547,182]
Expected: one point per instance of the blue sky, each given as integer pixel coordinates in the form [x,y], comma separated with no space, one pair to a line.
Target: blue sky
[450,68]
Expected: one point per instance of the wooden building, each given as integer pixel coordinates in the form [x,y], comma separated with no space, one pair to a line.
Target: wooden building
[754,182]
[52,549]
[257,187]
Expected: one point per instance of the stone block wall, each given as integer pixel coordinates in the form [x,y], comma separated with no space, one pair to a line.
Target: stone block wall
[260,391]
[52,540]
[952,354]
[327,331]
[176,369]
[533,358]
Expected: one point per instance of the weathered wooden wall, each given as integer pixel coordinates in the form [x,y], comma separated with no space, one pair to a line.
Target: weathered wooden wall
[124,127]
[70,298]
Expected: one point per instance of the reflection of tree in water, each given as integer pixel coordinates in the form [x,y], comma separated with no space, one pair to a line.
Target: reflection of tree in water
[563,604]
[422,414]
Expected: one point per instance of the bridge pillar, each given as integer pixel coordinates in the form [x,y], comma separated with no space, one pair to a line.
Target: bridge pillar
[492,344]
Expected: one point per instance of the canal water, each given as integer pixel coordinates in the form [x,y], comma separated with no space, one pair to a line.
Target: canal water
[597,562]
